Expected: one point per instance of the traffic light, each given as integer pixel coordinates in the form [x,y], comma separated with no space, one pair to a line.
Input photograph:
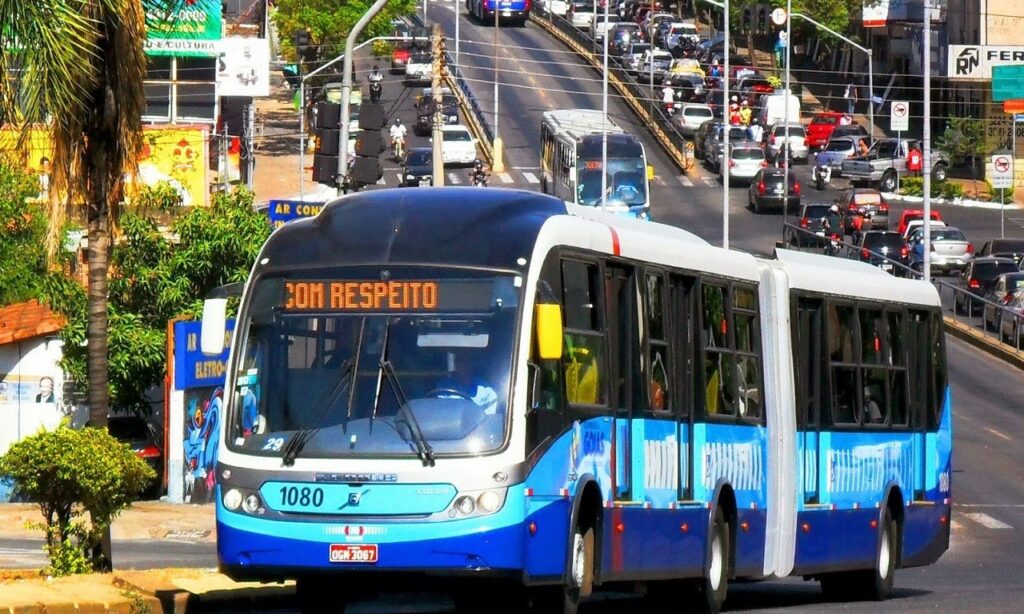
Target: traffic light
[763,18]
[746,19]
[367,169]
[326,127]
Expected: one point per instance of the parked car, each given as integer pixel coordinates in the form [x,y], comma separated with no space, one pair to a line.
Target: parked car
[979,276]
[950,250]
[821,127]
[791,134]
[886,162]
[767,190]
[870,202]
[691,117]
[1010,327]
[745,160]
[804,228]
[418,167]
[144,441]
[884,249]
[915,214]
[1001,293]
[1005,248]
[457,146]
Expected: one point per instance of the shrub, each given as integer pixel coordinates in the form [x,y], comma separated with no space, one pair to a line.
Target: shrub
[68,473]
[951,190]
[1007,194]
[914,186]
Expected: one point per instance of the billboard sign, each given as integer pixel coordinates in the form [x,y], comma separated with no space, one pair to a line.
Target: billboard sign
[283,211]
[191,29]
[975,62]
[243,67]
[192,368]
[176,155]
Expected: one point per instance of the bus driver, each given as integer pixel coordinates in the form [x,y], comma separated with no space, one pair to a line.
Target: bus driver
[462,384]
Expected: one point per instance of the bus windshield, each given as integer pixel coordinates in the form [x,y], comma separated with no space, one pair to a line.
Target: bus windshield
[626,181]
[331,357]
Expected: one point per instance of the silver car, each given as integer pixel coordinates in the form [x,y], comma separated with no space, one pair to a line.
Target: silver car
[837,150]
[950,249]
[745,159]
[792,134]
[691,116]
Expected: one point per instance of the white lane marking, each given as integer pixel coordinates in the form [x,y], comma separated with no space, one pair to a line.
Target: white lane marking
[506,178]
[709,181]
[526,168]
[956,526]
[986,521]
[683,179]
[998,434]
[531,178]
[400,178]
[1000,505]
[659,180]
[453,179]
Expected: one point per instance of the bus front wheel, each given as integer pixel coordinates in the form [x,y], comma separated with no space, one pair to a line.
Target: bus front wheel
[715,584]
[579,579]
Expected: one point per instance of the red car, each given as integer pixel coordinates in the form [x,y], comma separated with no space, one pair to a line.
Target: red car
[914,214]
[820,128]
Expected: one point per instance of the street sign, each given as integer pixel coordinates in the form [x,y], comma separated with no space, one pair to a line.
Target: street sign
[1002,171]
[899,116]
[779,16]
[1018,118]
[1007,82]
[1013,106]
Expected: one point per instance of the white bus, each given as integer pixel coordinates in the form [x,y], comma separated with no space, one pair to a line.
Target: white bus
[571,160]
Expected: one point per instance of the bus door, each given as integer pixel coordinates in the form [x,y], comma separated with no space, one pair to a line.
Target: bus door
[621,301]
[920,393]
[810,371]
[682,331]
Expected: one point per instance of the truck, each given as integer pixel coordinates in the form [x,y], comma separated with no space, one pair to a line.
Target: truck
[886,162]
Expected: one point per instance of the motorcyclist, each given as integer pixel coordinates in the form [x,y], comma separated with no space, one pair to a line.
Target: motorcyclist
[375,76]
[479,175]
[832,223]
[668,97]
[821,160]
[397,132]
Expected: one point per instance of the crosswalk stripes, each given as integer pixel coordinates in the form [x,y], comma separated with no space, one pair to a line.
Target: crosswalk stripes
[530,177]
[986,521]
[453,179]
[709,181]
[506,178]
[683,179]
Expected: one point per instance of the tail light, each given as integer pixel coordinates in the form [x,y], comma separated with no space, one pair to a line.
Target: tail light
[864,253]
[1008,297]
[970,248]
[760,186]
[974,283]
[804,222]
[796,187]
[903,252]
[150,451]
[732,163]
[764,164]
[884,208]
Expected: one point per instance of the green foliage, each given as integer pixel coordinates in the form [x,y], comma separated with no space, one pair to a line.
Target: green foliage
[160,197]
[329,23]
[839,15]
[22,235]
[72,473]
[914,186]
[963,140]
[1002,197]
[951,190]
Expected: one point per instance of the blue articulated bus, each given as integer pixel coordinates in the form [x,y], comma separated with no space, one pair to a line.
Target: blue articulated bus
[517,11]
[497,393]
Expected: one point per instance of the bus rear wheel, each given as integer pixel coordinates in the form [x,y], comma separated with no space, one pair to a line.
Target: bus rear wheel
[875,584]
[715,585]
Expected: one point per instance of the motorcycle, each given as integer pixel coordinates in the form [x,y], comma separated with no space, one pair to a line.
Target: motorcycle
[479,179]
[833,246]
[398,146]
[375,90]
[822,175]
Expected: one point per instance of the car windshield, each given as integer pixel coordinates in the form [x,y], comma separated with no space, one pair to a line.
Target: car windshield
[738,133]
[877,240]
[419,158]
[1007,246]
[991,270]
[639,48]
[747,153]
[867,198]
[128,429]
[697,112]
[457,136]
[350,353]
[884,149]
[945,234]
[626,181]
[795,131]
[839,145]
[825,120]
[814,212]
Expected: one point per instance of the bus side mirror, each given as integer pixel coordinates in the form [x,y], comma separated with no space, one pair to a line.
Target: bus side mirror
[549,331]
[211,339]
[650,171]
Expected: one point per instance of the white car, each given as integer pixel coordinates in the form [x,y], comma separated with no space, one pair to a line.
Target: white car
[691,116]
[458,145]
[581,13]
[745,159]
[599,26]
[556,7]
[420,68]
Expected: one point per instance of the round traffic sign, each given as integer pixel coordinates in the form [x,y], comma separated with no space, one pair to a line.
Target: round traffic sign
[779,16]
[899,109]
[1001,164]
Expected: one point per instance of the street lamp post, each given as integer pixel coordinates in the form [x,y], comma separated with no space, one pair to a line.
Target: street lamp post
[604,118]
[926,140]
[498,165]
[723,165]
[785,112]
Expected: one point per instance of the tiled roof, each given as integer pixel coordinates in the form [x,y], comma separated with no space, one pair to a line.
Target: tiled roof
[26,321]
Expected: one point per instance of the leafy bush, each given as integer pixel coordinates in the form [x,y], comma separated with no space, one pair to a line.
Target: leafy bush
[951,190]
[914,186]
[1007,194]
[71,474]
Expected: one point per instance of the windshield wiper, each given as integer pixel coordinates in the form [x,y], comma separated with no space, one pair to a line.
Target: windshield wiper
[295,445]
[423,449]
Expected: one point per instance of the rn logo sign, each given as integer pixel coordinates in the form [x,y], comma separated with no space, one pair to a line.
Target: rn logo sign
[976,61]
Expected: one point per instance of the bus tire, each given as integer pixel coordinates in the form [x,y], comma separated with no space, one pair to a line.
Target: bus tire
[579,577]
[715,584]
[877,584]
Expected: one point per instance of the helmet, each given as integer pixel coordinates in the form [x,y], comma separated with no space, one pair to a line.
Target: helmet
[478,163]
[398,121]
[734,99]
[834,208]
[376,68]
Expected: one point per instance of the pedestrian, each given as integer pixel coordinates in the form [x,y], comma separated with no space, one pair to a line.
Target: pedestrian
[851,97]
[914,160]
[862,147]
[756,131]
[745,113]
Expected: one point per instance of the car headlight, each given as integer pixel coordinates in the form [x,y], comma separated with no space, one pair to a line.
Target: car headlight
[232,499]
[489,501]
[251,503]
[465,505]
[410,177]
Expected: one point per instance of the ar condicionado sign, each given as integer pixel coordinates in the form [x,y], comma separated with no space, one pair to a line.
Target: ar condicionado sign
[355,295]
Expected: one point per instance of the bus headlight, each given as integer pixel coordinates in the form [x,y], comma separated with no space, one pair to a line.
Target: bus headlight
[488,502]
[232,499]
[465,505]
[251,504]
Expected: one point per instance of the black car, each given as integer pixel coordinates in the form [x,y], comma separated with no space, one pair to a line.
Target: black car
[137,433]
[883,248]
[418,167]
[978,278]
[866,201]
[766,190]
[803,228]
[1003,248]
[702,137]
[425,112]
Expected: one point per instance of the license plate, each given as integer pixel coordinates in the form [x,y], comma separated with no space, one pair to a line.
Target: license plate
[506,13]
[886,267]
[353,553]
[779,190]
[424,182]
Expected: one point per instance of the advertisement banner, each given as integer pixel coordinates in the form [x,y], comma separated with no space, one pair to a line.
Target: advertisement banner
[243,67]
[975,62]
[283,211]
[38,147]
[190,30]
[193,368]
[177,155]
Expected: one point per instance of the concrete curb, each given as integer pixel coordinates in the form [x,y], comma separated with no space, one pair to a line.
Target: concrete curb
[955,202]
[984,343]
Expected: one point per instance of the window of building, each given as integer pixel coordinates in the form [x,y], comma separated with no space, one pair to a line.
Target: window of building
[180,89]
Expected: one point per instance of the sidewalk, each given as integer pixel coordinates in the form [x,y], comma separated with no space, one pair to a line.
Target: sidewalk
[277,145]
[157,590]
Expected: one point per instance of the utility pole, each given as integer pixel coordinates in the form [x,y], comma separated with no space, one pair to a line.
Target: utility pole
[223,150]
[438,134]
[250,149]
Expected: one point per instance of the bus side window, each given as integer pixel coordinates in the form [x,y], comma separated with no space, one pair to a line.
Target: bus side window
[658,362]
[746,334]
[896,360]
[718,360]
[937,366]
[584,355]
[842,325]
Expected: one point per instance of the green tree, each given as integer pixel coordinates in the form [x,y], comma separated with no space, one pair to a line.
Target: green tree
[22,234]
[70,473]
[161,274]
[329,23]
[963,140]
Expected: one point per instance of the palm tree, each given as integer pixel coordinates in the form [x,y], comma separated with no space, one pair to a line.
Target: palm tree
[78,66]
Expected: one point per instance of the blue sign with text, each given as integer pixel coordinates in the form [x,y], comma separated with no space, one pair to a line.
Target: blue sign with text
[192,368]
[283,211]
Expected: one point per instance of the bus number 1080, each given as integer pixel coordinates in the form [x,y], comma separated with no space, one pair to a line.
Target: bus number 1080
[304,496]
